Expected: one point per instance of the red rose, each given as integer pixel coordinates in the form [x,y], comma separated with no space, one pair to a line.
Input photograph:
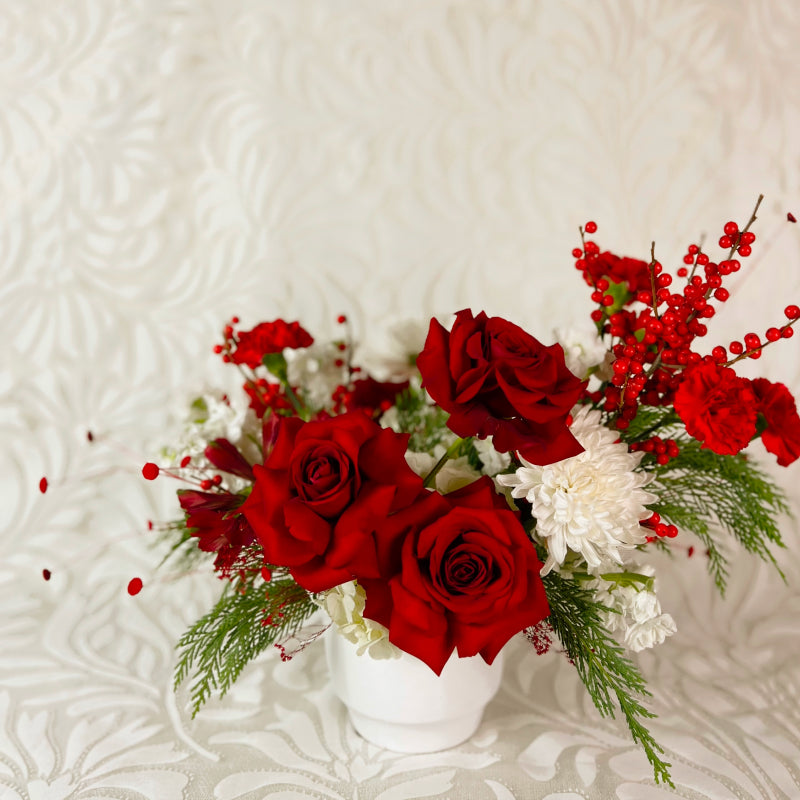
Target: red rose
[266,338]
[373,397]
[782,434]
[462,575]
[323,488]
[497,380]
[618,269]
[717,407]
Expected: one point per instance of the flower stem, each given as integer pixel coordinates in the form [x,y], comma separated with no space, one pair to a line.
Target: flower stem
[430,478]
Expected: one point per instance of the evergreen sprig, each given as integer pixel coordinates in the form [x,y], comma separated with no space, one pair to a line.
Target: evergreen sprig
[612,680]
[245,621]
[708,493]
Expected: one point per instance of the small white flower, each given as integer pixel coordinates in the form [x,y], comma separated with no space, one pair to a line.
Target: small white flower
[634,614]
[493,462]
[590,504]
[455,474]
[314,370]
[583,348]
[345,606]
[205,418]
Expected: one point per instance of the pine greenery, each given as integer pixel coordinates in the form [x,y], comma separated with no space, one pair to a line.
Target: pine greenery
[246,620]
[611,679]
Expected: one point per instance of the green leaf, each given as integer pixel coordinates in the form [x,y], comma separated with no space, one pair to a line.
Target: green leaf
[276,364]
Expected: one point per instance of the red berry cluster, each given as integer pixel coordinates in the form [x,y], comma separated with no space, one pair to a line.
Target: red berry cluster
[663,450]
[660,529]
[226,348]
[656,342]
[753,345]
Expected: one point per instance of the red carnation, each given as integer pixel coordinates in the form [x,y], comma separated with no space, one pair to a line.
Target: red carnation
[497,380]
[373,397]
[458,572]
[215,519]
[266,338]
[717,407]
[322,490]
[782,434]
[618,269]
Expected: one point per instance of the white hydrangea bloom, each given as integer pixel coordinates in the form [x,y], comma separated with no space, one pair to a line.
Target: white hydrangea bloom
[635,614]
[314,369]
[583,348]
[590,504]
[345,606]
[455,474]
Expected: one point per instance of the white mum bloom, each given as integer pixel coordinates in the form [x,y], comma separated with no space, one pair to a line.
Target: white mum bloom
[345,606]
[591,504]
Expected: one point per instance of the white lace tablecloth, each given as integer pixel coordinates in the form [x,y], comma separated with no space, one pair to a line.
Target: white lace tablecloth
[165,164]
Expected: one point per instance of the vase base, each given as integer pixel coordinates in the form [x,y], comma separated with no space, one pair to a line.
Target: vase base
[427,737]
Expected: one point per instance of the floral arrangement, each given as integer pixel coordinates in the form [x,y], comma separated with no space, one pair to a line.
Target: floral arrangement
[487,485]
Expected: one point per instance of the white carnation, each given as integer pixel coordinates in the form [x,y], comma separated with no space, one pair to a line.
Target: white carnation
[591,504]
[583,349]
[455,474]
[345,606]
[493,462]
[634,613]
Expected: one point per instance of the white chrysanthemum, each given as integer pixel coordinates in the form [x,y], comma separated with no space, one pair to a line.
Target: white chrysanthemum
[583,349]
[635,613]
[314,370]
[591,504]
[455,474]
[345,606]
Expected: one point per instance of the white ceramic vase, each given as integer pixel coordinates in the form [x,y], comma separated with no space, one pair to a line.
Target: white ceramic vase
[402,705]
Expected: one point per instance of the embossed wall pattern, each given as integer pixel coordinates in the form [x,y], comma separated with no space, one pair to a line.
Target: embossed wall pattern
[165,164]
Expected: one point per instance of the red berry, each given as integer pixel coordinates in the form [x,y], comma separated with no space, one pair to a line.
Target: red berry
[722,294]
[134,586]
[682,272]
[218,348]
[748,237]
[150,471]
[745,250]
[206,484]
[773,334]
[596,315]
[185,461]
[693,249]
[787,333]
[46,574]
[731,228]
[719,353]
[736,348]
[590,227]
[702,259]
[577,252]
[43,485]
[792,312]
[341,319]
[725,242]
[688,259]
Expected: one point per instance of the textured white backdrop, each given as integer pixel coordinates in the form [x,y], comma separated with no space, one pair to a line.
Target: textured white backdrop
[165,164]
